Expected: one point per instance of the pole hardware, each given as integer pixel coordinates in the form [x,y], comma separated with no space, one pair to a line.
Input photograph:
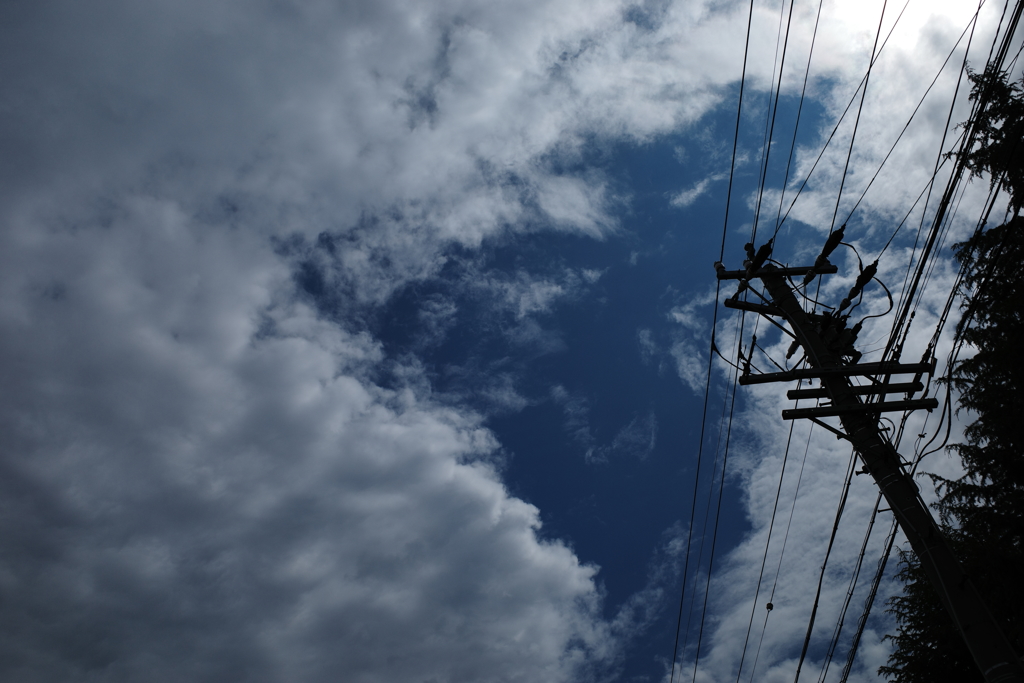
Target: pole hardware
[886,368]
[928,404]
[828,347]
[868,390]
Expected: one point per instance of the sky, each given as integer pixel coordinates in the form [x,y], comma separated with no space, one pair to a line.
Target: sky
[368,341]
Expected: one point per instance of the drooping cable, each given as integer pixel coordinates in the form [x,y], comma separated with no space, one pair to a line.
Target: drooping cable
[842,117]
[767,543]
[796,125]
[970,26]
[856,122]
[821,576]
[771,131]
[782,552]
[725,225]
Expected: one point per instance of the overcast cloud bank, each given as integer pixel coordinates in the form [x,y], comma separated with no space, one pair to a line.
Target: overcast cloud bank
[211,468]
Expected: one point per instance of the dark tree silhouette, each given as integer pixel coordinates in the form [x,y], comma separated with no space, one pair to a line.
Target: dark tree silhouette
[983,511]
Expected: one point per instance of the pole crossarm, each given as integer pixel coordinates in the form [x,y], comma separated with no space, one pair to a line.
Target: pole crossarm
[724,274]
[886,368]
[882,407]
[860,421]
[868,389]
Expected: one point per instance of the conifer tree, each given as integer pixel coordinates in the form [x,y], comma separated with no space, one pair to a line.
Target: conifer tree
[983,511]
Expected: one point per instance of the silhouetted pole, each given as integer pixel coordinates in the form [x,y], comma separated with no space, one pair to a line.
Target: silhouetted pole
[985,640]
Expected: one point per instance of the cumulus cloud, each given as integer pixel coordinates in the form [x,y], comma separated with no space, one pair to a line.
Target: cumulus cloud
[202,482]
[797,480]
[206,477]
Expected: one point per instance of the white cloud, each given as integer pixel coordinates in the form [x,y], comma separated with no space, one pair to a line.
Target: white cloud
[685,198]
[201,482]
[648,347]
[203,479]
[758,444]
[689,346]
[637,438]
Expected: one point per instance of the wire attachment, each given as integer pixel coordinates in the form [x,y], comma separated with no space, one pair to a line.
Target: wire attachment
[822,261]
[865,277]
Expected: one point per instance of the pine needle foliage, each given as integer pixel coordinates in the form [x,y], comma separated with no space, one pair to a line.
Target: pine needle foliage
[981,512]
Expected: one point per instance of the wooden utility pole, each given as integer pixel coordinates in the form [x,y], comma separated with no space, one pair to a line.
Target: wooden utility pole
[828,346]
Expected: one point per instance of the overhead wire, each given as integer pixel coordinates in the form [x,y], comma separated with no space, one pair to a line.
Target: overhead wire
[767,146]
[869,600]
[707,518]
[946,415]
[796,125]
[696,485]
[842,117]
[718,515]
[920,102]
[782,551]
[771,130]
[856,122]
[956,177]
[767,544]
[725,225]
[828,552]
[926,271]
[838,630]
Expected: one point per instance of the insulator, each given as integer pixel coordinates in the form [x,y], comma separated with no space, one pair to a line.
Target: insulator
[762,254]
[862,279]
[744,284]
[719,267]
[833,241]
[749,248]
[866,275]
[792,349]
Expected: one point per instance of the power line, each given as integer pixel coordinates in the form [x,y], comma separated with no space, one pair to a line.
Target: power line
[767,544]
[782,552]
[796,125]
[771,132]
[970,26]
[856,122]
[842,116]
[725,225]
[828,552]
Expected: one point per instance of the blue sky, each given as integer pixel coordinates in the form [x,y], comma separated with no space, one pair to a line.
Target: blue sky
[366,341]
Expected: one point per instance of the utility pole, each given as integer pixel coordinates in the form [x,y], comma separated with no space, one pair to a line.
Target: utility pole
[828,347]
